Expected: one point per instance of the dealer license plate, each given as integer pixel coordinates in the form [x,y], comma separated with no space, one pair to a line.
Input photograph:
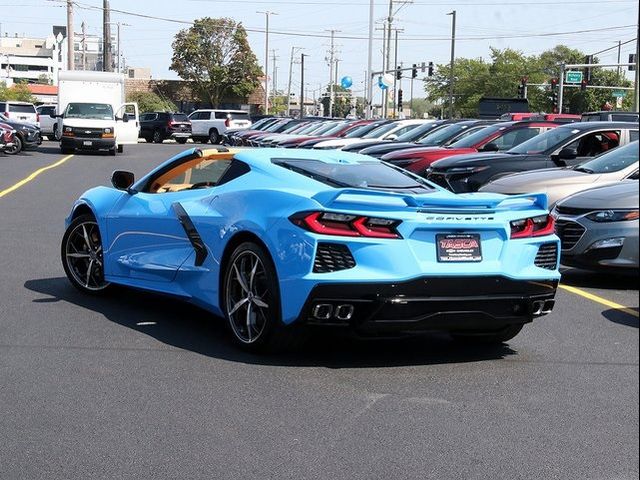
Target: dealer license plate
[87,143]
[459,247]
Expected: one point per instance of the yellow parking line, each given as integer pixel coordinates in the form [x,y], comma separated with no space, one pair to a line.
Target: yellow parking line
[16,186]
[600,300]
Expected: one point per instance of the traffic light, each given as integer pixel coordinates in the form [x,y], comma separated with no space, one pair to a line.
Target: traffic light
[430,69]
[400,100]
[583,85]
[522,88]
[588,59]
[632,59]
[554,84]
[414,71]
[398,72]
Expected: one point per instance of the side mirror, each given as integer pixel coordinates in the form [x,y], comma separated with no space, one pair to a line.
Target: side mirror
[490,147]
[125,118]
[392,137]
[53,115]
[567,154]
[122,180]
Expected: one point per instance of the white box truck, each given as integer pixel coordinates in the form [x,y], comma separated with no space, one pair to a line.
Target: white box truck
[92,112]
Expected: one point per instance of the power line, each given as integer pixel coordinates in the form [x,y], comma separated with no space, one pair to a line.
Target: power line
[615,46]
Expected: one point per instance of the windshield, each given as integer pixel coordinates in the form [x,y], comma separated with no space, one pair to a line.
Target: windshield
[96,111]
[363,174]
[334,129]
[419,132]
[613,161]
[442,135]
[380,131]
[545,141]
[357,132]
[477,138]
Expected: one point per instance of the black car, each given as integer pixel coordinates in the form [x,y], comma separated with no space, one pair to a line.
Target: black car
[159,126]
[566,145]
[609,116]
[27,136]
[445,133]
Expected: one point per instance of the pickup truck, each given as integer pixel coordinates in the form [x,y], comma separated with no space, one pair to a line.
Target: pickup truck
[210,125]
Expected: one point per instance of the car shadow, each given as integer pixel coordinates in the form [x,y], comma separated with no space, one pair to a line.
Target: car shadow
[185,326]
[621,317]
[604,280]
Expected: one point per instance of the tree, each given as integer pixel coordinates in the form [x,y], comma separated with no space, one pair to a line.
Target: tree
[19,92]
[214,54]
[342,99]
[151,102]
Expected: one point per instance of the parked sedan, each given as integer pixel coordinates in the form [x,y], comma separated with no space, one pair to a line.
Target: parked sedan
[618,164]
[598,228]
[389,131]
[567,145]
[27,136]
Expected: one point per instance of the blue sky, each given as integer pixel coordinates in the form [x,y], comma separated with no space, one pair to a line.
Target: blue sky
[480,25]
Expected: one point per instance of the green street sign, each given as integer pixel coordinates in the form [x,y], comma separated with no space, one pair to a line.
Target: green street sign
[573,77]
[619,93]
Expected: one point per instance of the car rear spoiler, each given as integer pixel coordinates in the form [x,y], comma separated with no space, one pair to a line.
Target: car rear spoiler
[432,202]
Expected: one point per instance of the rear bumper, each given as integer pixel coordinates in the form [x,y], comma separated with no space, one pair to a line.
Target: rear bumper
[452,304]
[82,143]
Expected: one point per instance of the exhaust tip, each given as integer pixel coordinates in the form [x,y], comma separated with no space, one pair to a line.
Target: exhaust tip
[344,312]
[322,311]
[548,306]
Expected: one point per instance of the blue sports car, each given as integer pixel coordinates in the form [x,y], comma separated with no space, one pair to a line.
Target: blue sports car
[276,239]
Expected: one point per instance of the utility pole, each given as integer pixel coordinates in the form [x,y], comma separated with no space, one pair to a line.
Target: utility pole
[395,77]
[453,59]
[561,87]
[293,51]
[107,58]
[302,55]
[70,37]
[636,93]
[383,93]
[274,84]
[619,48]
[266,61]
[84,46]
[331,64]
[369,81]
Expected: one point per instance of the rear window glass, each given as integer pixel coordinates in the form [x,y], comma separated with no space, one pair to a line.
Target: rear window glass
[180,117]
[365,174]
[239,115]
[21,108]
[621,117]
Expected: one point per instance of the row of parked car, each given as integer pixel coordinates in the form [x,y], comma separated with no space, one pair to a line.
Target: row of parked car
[589,169]
[19,127]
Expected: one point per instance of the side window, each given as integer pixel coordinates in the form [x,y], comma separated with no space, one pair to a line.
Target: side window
[595,143]
[196,173]
[633,176]
[633,135]
[162,116]
[3,107]
[221,115]
[515,137]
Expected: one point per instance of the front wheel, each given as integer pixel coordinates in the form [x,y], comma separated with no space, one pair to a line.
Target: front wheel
[251,301]
[181,140]
[82,255]
[157,136]
[17,146]
[120,148]
[491,337]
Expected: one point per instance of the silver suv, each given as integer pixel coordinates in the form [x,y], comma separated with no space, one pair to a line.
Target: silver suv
[22,112]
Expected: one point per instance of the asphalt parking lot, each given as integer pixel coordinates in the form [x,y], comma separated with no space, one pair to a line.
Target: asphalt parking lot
[140,386]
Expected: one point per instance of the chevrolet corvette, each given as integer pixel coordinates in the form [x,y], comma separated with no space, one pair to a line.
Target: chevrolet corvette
[273,240]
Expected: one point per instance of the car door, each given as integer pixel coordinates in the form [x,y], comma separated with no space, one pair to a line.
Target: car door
[148,232]
[127,132]
[591,144]
[199,122]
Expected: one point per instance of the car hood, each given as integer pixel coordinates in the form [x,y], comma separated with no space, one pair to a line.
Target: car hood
[387,147]
[473,158]
[619,195]
[87,122]
[541,179]
[427,152]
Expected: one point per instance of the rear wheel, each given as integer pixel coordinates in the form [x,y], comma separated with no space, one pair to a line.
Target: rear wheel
[214,136]
[120,148]
[491,337]
[17,146]
[82,255]
[251,301]
[157,136]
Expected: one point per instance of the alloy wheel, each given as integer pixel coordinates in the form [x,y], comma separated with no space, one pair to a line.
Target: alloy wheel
[83,254]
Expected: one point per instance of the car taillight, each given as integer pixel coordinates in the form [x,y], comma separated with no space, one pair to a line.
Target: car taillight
[532,227]
[227,122]
[37,118]
[346,225]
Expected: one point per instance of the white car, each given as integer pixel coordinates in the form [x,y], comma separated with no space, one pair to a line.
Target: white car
[22,112]
[388,131]
[209,125]
[47,123]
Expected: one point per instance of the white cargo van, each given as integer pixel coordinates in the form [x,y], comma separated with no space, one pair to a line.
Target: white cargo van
[92,113]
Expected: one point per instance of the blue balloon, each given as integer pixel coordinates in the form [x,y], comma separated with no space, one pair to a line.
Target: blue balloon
[381,84]
[346,82]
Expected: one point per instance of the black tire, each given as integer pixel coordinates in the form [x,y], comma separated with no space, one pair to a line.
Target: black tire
[267,333]
[488,338]
[181,140]
[120,148]
[113,151]
[55,132]
[17,146]
[214,136]
[157,137]
[82,239]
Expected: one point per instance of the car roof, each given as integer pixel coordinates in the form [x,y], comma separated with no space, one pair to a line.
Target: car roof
[598,125]
[260,155]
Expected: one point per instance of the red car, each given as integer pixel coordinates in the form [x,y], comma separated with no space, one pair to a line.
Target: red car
[6,136]
[494,138]
[337,132]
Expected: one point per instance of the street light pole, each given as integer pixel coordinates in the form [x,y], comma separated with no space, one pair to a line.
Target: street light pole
[453,56]
[293,51]
[266,61]
[369,103]
[302,55]
[70,36]
[636,93]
